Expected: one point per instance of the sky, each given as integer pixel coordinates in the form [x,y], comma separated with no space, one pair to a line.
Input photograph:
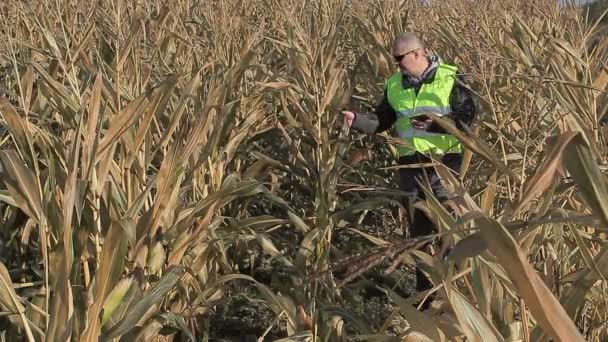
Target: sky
[580,2]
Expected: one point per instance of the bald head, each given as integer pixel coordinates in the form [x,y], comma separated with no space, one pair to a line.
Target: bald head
[410,54]
[405,43]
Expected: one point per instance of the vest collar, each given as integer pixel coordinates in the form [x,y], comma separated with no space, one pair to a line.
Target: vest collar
[427,76]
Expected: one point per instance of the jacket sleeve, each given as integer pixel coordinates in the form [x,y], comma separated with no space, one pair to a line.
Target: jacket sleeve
[382,118]
[464,110]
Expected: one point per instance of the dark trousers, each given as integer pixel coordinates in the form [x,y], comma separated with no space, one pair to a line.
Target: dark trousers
[418,223]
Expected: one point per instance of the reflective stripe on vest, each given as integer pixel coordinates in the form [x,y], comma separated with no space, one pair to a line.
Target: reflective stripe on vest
[408,113]
[433,97]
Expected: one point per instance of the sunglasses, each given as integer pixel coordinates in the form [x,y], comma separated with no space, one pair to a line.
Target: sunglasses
[400,57]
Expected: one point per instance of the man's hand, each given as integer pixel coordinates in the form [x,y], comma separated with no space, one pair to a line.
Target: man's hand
[421,122]
[349,117]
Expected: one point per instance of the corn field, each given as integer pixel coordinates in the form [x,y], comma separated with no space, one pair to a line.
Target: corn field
[156,155]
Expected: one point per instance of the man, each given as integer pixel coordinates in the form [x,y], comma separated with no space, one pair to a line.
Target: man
[423,84]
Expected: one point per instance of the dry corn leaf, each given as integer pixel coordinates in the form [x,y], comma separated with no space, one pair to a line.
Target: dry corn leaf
[545,172]
[11,302]
[475,325]
[584,170]
[137,311]
[22,184]
[418,321]
[106,277]
[475,144]
[542,303]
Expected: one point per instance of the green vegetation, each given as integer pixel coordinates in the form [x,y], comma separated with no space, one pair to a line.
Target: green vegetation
[164,163]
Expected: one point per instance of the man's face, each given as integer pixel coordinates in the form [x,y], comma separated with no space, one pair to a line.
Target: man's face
[409,59]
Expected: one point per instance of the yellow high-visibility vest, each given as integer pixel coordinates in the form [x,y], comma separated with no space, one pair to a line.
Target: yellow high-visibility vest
[432,97]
